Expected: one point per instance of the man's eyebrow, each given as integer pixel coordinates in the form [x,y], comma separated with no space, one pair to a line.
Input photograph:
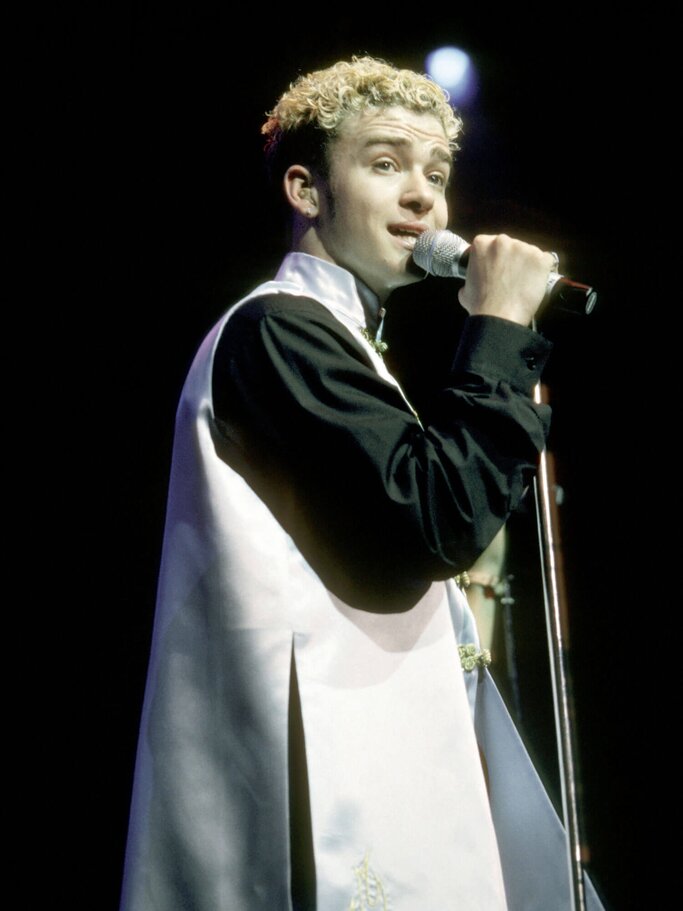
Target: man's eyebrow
[442,155]
[438,151]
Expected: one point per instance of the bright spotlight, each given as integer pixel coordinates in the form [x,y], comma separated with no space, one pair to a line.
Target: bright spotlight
[453,70]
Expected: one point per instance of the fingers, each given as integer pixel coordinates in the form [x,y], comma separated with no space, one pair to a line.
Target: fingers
[506,277]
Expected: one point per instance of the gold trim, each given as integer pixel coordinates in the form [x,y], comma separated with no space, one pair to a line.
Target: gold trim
[369,891]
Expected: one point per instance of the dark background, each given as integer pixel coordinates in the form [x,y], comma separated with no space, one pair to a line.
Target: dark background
[562,146]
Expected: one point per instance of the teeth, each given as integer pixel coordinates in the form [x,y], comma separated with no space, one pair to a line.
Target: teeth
[409,236]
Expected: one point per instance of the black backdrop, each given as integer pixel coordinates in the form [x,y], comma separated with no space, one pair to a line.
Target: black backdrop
[561,146]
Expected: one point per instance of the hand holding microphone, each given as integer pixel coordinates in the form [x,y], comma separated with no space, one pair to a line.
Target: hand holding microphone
[504,277]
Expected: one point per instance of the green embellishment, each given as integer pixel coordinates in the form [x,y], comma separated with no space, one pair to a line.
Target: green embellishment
[369,891]
[462,580]
[380,347]
[470,658]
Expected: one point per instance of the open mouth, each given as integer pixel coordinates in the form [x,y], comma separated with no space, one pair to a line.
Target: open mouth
[407,233]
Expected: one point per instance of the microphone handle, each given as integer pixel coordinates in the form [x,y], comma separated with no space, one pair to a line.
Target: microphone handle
[564,294]
[561,293]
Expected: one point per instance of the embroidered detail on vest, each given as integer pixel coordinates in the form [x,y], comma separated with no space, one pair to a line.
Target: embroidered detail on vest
[462,580]
[379,346]
[470,658]
[369,891]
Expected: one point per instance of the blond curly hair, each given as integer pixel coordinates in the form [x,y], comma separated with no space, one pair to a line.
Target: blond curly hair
[312,110]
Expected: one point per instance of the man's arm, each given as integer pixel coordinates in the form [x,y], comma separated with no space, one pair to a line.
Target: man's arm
[380,505]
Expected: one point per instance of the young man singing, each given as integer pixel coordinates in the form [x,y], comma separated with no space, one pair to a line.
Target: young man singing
[316,701]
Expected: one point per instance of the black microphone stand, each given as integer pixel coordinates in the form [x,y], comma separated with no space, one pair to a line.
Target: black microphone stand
[555,610]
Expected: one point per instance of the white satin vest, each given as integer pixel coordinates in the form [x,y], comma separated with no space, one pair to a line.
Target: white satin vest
[400,816]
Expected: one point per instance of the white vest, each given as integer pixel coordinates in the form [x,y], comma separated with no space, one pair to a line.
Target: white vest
[400,815]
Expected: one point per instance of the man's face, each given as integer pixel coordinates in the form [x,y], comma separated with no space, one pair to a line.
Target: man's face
[388,174]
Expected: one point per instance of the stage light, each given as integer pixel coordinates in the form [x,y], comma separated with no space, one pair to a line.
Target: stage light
[454,71]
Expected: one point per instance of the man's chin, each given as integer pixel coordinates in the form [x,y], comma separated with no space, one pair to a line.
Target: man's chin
[413,272]
[410,274]
[405,273]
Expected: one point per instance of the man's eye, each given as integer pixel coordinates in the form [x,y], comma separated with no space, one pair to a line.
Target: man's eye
[438,179]
[385,165]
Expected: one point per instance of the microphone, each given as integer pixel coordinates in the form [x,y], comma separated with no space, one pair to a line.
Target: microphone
[446,255]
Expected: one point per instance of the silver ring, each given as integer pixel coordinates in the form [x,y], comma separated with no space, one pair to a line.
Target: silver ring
[556,263]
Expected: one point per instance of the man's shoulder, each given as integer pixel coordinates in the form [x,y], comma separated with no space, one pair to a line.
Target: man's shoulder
[291,319]
[279,305]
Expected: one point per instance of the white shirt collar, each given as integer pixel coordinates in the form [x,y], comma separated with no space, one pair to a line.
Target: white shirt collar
[333,285]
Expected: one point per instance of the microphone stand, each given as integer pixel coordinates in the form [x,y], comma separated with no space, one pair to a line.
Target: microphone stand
[555,609]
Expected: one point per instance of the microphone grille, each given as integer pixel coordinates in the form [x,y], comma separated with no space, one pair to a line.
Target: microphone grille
[438,252]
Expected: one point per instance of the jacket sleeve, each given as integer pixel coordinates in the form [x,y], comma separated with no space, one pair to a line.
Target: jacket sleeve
[380,504]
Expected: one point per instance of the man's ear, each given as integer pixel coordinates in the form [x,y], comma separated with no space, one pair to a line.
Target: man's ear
[300,191]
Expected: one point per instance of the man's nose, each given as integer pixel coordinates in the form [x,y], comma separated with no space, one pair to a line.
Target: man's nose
[418,193]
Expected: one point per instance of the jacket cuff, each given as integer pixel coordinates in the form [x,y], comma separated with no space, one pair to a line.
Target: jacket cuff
[502,351]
